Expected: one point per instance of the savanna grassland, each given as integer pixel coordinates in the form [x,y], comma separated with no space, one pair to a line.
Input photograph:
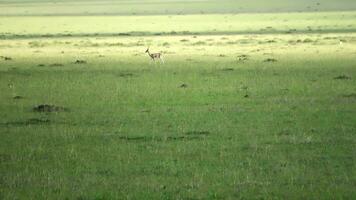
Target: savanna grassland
[254,100]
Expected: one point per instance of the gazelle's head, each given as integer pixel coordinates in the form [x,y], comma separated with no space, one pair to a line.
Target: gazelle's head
[147,50]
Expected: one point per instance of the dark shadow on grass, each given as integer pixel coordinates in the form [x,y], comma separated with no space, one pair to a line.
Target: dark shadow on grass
[190,135]
[161,139]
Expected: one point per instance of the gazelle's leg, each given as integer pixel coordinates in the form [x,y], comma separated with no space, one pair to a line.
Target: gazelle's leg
[161,59]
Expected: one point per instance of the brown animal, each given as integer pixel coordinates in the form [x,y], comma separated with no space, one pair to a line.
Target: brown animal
[155,56]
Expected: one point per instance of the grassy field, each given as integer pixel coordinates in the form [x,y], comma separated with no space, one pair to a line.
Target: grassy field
[160,25]
[247,106]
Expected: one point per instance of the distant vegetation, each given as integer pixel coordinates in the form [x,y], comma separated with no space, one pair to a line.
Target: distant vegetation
[163,7]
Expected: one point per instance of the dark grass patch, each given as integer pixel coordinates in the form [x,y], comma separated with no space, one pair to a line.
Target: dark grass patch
[119,44]
[243,57]
[123,34]
[48,108]
[56,65]
[267,42]
[18,97]
[291,31]
[199,43]
[80,62]
[165,44]
[232,42]
[36,44]
[227,69]
[330,38]
[32,121]
[184,85]
[125,74]
[245,41]
[18,72]
[161,139]
[5,157]
[270,60]
[6,58]
[352,95]
[41,65]
[307,40]
[285,90]
[105,172]
[342,77]
[173,33]
[197,133]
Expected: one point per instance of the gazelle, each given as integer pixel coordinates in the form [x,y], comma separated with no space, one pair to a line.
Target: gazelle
[155,56]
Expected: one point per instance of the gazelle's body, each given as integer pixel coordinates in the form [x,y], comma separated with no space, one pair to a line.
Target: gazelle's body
[155,56]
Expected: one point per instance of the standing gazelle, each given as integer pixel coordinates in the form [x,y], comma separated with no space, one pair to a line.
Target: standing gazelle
[155,56]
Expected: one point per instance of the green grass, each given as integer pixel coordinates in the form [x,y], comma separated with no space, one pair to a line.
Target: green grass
[251,110]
